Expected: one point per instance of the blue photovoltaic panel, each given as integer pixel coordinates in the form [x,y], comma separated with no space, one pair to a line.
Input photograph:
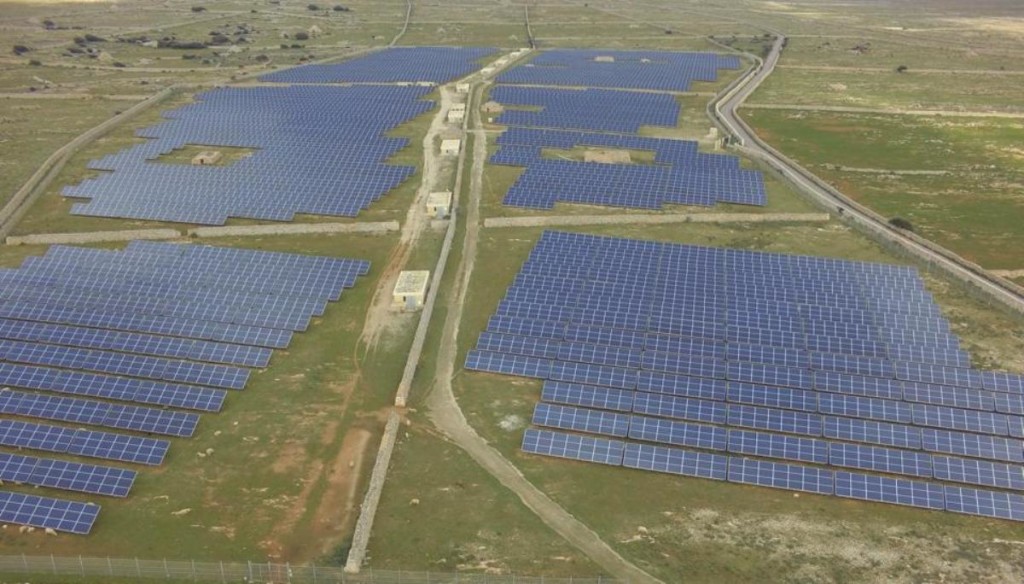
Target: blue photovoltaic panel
[44,512]
[571,446]
[877,458]
[778,446]
[15,468]
[889,490]
[865,407]
[858,385]
[999,381]
[945,395]
[590,396]
[390,65]
[581,419]
[680,408]
[682,385]
[508,364]
[985,503]
[85,478]
[872,432]
[979,472]
[775,397]
[781,476]
[137,449]
[775,420]
[973,445]
[677,433]
[960,419]
[676,461]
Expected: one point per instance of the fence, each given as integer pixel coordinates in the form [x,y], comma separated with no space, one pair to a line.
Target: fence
[250,573]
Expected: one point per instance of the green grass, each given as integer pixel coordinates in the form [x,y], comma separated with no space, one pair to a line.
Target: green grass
[711,531]
[889,89]
[896,50]
[976,209]
[34,129]
[494,530]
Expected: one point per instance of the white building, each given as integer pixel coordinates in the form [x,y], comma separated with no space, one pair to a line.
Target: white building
[456,115]
[439,204]
[451,147]
[462,87]
[411,290]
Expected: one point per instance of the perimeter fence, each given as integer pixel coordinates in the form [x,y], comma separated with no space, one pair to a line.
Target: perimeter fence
[105,569]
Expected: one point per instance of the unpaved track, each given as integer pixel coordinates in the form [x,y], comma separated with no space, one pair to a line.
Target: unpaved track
[416,221]
[448,417]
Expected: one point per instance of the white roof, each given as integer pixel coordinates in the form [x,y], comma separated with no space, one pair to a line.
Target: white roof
[450,143]
[412,282]
[439,198]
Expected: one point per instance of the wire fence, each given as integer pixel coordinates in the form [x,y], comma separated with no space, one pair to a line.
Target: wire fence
[251,572]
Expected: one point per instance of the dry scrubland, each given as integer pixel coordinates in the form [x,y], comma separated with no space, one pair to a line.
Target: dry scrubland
[311,422]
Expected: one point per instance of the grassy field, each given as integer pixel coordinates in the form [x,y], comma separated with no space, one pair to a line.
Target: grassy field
[888,89]
[971,203]
[712,532]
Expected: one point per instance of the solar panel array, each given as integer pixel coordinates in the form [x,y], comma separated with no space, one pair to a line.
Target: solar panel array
[811,374]
[653,70]
[680,174]
[598,110]
[391,65]
[98,342]
[319,150]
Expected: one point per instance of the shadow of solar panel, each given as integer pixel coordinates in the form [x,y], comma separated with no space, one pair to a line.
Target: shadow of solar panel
[675,461]
[781,476]
[985,503]
[44,512]
[574,447]
[889,490]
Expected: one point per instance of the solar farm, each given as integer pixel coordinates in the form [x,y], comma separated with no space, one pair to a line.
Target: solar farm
[633,349]
[164,331]
[821,376]
[619,98]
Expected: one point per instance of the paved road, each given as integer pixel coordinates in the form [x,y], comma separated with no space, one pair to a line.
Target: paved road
[749,143]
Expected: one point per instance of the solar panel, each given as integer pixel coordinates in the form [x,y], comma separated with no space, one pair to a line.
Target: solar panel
[590,396]
[781,476]
[985,503]
[581,419]
[889,490]
[770,445]
[877,458]
[677,433]
[574,447]
[979,472]
[47,513]
[85,478]
[676,461]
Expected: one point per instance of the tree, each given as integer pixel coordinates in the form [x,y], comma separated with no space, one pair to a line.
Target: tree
[901,223]
[902,69]
[198,9]
[340,8]
[312,7]
[302,36]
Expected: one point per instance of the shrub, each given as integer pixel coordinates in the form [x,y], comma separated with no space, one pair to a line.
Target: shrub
[901,223]
[301,36]
[198,9]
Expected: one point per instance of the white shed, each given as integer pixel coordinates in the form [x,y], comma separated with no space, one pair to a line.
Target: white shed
[462,87]
[439,204]
[411,289]
[451,147]
[456,115]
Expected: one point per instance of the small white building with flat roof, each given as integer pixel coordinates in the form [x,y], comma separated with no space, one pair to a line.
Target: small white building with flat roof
[462,87]
[411,290]
[439,204]
[451,147]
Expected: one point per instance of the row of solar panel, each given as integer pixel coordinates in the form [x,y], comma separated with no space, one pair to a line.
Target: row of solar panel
[47,513]
[792,448]
[66,476]
[736,469]
[394,64]
[82,442]
[587,109]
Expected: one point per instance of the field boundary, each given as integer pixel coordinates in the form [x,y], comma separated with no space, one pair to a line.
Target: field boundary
[251,572]
[559,220]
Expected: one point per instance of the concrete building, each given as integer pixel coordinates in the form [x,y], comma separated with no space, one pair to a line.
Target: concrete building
[451,147]
[462,87]
[493,107]
[207,158]
[439,204]
[456,115]
[411,290]
[604,59]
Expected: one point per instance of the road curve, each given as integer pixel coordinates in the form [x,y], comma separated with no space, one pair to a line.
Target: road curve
[723,110]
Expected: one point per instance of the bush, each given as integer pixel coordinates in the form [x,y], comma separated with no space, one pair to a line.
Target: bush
[94,39]
[198,9]
[340,8]
[301,36]
[21,50]
[35,63]
[902,69]
[901,223]
[313,7]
